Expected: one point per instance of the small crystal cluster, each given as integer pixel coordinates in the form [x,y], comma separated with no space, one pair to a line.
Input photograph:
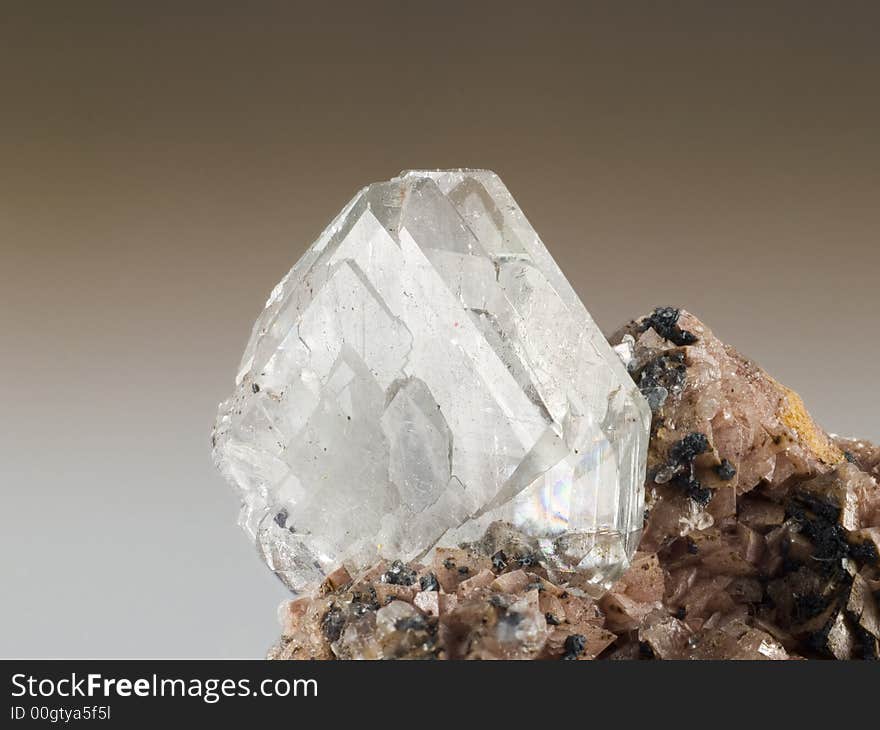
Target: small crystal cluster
[490,600]
[423,371]
[762,541]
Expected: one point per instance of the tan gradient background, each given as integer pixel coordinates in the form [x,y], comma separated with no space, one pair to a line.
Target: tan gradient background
[161,169]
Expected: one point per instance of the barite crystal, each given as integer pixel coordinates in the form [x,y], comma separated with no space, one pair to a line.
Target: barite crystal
[423,372]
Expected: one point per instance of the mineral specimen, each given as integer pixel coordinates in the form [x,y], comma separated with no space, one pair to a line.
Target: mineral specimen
[763,542]
[423,372]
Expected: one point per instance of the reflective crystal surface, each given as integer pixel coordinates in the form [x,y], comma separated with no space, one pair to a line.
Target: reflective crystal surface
[424,371]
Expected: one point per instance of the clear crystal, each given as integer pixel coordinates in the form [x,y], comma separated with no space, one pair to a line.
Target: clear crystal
[423,371]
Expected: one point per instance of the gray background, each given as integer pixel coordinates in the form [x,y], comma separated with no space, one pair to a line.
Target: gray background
[161,169]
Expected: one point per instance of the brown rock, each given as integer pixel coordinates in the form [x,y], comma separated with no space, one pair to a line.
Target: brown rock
[336,580]
[719,419]
[636,594]
[580,609]
[552,608]
[644,581]
[760,513]
[514,582]
[481,580]
[623,613]
[386,593]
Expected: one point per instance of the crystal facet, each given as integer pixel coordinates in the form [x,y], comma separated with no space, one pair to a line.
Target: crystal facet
[424,371]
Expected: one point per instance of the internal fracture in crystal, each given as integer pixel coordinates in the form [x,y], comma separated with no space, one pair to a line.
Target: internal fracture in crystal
[425,370]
